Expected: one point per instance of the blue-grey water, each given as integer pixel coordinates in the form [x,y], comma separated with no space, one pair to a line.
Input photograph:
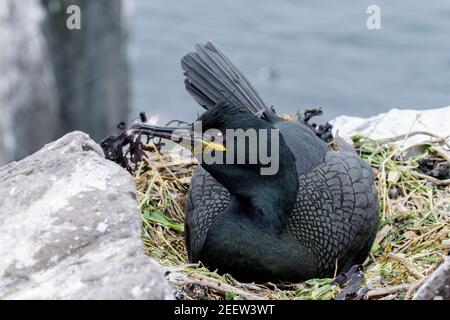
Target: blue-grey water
[319,53]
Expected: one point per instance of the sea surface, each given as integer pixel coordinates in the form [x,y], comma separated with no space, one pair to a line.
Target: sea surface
[298,54]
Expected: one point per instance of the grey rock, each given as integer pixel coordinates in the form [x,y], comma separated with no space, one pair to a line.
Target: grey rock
[55,80]
[90,65]
[28,99]
[70,228]
[437,287]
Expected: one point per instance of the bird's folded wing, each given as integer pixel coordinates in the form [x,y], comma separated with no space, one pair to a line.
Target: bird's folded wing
[336,209]
[207,198]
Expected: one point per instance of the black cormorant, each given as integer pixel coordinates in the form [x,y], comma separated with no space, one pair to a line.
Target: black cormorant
[316,216]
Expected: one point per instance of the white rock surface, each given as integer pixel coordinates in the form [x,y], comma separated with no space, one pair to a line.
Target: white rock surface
[396,122]
[70,228]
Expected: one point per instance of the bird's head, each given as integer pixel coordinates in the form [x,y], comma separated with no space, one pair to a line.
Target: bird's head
[244,153]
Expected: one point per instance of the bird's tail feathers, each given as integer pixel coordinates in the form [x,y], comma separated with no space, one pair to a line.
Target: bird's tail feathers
[211,78]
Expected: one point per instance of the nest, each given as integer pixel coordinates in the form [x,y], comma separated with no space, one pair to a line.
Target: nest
[412,241]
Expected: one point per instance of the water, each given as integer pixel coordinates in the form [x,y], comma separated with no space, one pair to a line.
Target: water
[321,52]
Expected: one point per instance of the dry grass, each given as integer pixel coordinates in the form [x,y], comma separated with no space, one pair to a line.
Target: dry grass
[412,241]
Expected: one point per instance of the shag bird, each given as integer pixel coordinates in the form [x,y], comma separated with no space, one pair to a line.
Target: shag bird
[316,216]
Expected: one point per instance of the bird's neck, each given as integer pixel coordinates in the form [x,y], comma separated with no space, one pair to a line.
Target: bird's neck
[268,207]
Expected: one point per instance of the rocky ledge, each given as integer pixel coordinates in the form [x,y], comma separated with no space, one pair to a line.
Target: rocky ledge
[70,228]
